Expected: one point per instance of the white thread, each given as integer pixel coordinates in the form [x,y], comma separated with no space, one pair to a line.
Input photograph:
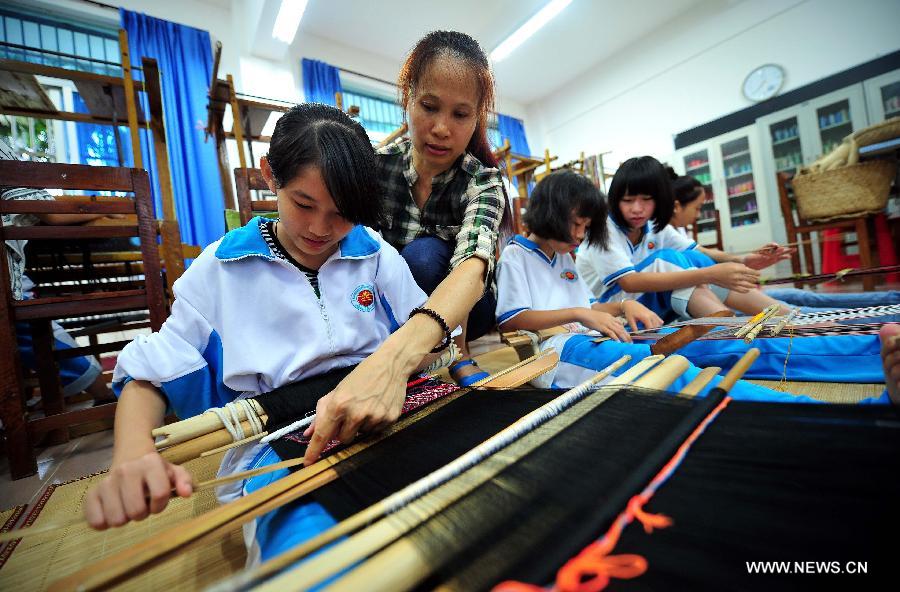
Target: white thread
[230,417]
[300,423]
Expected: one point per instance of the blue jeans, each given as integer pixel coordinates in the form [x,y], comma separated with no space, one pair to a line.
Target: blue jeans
[428,258]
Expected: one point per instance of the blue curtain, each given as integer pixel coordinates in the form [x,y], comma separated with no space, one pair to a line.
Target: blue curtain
[513,130]
[185,61]
[97,143]
[320,82]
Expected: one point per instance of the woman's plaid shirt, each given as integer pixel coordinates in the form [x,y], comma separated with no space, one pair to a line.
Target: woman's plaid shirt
[465,207]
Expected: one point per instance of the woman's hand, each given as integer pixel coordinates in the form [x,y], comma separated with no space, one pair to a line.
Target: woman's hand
[734,276]
[767,255]
[605,323]
[134,489]
[369,399]
[635,313]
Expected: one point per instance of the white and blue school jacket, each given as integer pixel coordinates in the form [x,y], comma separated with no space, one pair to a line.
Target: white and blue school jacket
[529,280]
[245,322]
[657,252]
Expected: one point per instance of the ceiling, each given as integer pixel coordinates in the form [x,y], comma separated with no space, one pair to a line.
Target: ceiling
[586,33]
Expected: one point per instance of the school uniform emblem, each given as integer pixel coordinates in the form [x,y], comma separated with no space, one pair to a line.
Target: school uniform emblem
[363,298]
[651,245]
[568,275]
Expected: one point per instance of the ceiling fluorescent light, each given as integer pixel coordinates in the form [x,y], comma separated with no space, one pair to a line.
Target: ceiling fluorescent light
[288,20]
[544,16]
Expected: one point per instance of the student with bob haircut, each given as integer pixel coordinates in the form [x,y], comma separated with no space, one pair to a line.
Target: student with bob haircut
[648,260]
[273,303]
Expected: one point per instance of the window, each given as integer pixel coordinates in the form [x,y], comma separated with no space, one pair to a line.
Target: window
[39,39]
[379,116]
[21,31]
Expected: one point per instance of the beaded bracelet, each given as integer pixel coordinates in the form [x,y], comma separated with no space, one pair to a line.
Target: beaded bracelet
[440,321]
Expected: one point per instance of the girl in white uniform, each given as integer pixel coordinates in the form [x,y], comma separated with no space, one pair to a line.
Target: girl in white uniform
[269,304]
[537,289]
[648,260]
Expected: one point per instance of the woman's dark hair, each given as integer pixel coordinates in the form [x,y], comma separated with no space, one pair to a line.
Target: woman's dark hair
[556,197]
[313,134]
[643,176]
[686,189]
[465,49]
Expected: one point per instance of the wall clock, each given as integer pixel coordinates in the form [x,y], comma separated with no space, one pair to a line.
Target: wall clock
[763,82]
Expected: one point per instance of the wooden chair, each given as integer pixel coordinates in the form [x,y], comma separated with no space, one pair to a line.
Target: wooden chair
[80,300]
[245,181]
[800,230]
[719,244]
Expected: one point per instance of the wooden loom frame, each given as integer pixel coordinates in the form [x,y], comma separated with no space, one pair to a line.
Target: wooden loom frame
[105,96]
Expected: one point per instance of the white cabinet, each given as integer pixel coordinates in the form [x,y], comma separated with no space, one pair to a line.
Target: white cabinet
[799,135]
[883,96]
[729,165]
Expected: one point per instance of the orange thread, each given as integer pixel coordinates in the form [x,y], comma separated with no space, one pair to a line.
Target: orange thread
[647,520]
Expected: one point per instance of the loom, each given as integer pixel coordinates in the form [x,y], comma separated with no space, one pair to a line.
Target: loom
[762,482]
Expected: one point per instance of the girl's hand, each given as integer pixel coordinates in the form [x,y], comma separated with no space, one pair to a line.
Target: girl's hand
[135,489]
[369,399]
[767,255]
[635,313]
[605,323]
[734,276]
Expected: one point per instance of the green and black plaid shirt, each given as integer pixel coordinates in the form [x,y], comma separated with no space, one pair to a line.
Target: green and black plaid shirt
[465,207]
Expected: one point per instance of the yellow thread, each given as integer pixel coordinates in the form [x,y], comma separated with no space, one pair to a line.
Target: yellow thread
[782,384]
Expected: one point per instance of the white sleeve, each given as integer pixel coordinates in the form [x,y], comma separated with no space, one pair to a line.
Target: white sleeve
[670,238]
[513,295]
[601,268]
[174,351]
[397,289]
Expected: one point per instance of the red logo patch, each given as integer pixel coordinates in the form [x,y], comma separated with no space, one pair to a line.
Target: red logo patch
[651,245]
[365,298]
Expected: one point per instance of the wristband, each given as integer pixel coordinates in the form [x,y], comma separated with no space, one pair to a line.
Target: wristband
[445,342]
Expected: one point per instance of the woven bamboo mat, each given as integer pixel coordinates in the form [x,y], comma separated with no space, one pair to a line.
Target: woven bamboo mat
[830,392]
[37,561]
[9,517]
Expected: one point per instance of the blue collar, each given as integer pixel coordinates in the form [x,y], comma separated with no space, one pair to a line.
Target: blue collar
[533,247]
[247,241]
[624,231]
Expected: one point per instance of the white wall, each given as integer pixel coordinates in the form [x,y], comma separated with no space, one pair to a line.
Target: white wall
[690,71]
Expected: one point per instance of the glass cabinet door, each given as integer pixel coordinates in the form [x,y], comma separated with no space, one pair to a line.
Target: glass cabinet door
[787,150]
[890,99]
[740,186]
[834,124]
[696,165]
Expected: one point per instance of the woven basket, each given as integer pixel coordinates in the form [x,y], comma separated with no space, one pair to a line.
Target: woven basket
[841,193]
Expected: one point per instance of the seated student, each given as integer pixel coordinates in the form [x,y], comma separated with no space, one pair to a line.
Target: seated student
[271,303]
[890,356]
[76,374]
[689,197]
[538,288]
[645,257]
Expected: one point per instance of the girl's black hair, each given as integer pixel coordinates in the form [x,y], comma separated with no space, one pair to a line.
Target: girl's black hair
[313,134]
[686,189]
[556,197]
[464,48]
[643,176]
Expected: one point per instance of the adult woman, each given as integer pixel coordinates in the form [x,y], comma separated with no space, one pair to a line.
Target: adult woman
[444,204]
[444,193]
